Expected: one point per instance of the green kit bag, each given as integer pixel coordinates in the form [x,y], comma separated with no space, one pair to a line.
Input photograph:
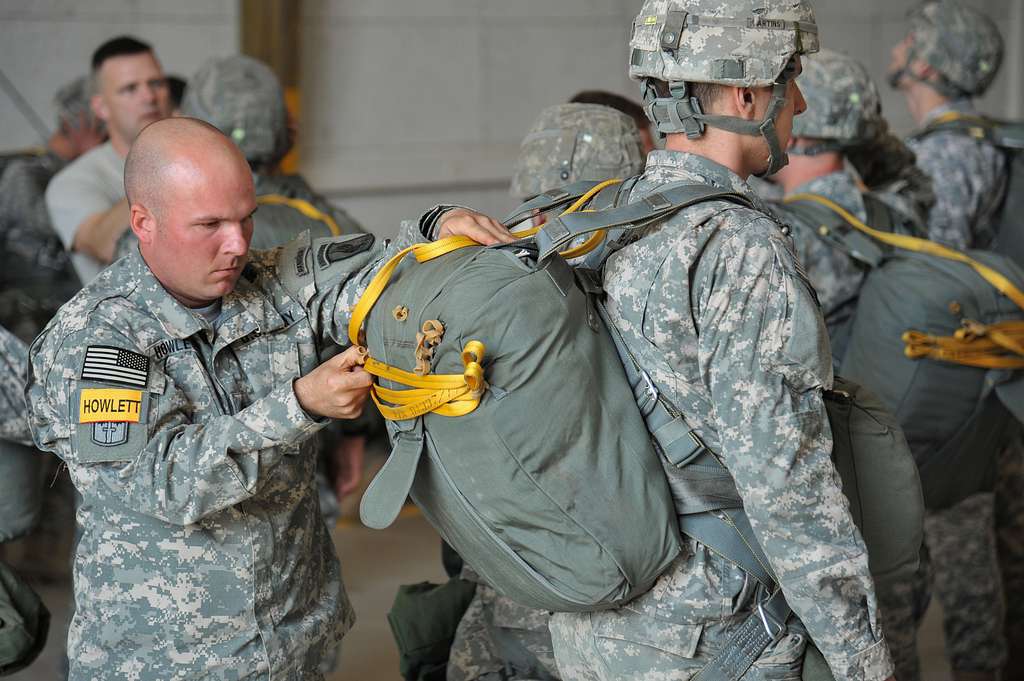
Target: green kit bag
[423,619]
[24,623]
[519,438]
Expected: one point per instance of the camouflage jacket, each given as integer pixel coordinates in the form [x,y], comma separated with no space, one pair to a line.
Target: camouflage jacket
[970,180]
[37,277]
[835,276]
[714,306]
[13,416]
[203,553]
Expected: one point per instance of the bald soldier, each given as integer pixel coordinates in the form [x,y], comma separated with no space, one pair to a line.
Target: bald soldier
[182,387]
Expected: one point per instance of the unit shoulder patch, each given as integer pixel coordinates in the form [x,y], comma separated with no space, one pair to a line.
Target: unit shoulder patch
[110,423]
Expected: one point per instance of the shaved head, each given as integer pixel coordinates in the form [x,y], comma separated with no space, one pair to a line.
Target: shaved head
[167,147]
[191,199]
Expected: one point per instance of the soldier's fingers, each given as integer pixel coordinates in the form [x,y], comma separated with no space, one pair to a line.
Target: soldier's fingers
[355,379]
[353,356]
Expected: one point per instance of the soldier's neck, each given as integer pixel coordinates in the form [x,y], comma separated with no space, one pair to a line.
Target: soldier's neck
[803,169]
[716,145]
[922,99]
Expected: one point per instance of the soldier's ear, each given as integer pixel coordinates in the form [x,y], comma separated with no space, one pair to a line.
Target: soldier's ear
[143,222]
[99,107]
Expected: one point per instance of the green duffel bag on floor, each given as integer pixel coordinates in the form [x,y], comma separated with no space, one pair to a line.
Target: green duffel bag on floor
[513,426]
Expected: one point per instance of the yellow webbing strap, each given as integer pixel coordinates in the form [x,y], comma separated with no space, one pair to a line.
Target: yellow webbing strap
[975,344]
[593,241]
[444,394]
[303,206]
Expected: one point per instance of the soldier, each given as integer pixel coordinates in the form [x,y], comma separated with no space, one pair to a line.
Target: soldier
[844,116]
[181,387]
[86,199]
[13,415]
[626,106]
[498,638]
[37,278]
[950,55]
[713,305]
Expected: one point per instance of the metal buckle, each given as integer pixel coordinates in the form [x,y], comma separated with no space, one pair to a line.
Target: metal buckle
[777,636]
[652,390]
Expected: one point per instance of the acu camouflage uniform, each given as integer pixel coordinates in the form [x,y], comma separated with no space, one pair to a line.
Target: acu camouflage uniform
[713,304]
[202,551]
[498,638]
[970,177]
[843,114]
[13,414]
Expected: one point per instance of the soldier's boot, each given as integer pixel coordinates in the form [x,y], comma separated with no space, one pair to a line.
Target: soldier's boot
[975,676]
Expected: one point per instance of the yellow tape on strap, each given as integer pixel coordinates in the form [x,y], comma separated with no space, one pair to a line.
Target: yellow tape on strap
[593,241]
[303,206]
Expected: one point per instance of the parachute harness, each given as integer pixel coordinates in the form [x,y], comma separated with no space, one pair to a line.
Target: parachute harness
[443,394]
[993,346]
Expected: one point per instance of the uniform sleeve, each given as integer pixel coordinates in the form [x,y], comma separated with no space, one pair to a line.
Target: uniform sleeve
[13,412]
[71,197]
[155,459]
[763,353]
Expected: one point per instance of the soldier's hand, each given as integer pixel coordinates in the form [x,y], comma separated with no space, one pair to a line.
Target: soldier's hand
[477,226]
[338,388]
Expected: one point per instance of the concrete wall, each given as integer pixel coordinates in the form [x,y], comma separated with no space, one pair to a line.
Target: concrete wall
[410,102]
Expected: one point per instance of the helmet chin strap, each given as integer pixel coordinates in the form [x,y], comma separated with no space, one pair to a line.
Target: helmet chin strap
[681,113]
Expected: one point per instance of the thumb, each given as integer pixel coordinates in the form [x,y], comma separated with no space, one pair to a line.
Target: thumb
[354,356]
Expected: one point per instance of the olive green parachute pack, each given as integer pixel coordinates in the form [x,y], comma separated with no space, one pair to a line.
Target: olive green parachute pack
[938,335]
[1006,233]
[537,447]
[24,622]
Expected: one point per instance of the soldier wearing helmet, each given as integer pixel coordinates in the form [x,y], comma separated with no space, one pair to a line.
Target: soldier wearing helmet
[950,55]
[712,304]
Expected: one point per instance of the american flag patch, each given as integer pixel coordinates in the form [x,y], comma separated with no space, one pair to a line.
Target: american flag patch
[115,365]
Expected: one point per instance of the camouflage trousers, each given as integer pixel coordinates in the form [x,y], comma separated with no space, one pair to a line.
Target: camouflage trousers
[962,544]
[500,640]
[671,632]
[21,489]
[902,604]
[1009,512]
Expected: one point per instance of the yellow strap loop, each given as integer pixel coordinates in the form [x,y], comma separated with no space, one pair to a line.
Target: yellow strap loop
[303,206]
[593,241]
[975,344]
[444,394]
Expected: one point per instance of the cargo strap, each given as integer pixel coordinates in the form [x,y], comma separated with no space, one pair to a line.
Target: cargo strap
[301,205]
[711,513]
[556,234]
[988,346]
[444,394]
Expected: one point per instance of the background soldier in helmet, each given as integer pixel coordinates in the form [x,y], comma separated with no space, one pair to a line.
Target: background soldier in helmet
[950,55]
[712,304]
[498,638]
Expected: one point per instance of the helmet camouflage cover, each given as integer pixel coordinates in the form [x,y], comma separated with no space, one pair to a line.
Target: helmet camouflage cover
[745,43]
[959,42]
[572,142]
[843,104]
[243,98]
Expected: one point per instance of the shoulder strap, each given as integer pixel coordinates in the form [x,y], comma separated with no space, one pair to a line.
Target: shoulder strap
[556,233]
[301,205]
[548,200]
[836,232]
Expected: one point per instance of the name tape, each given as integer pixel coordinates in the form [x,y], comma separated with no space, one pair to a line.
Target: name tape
[97,405]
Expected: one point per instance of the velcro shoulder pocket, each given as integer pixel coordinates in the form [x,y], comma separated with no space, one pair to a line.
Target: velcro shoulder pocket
[109,424]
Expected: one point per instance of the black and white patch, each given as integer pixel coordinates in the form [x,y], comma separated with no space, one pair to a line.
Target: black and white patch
[115,365]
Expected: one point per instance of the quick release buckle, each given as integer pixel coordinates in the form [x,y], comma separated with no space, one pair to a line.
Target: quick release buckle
[766,622]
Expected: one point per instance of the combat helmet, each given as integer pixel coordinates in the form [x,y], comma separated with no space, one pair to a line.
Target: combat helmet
[959,42]
[243,98]
[844,108]
[741,43]
[572,142]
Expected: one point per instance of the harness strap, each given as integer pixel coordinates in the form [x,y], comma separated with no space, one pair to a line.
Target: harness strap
[303,206]
[764,626]
[548,200]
